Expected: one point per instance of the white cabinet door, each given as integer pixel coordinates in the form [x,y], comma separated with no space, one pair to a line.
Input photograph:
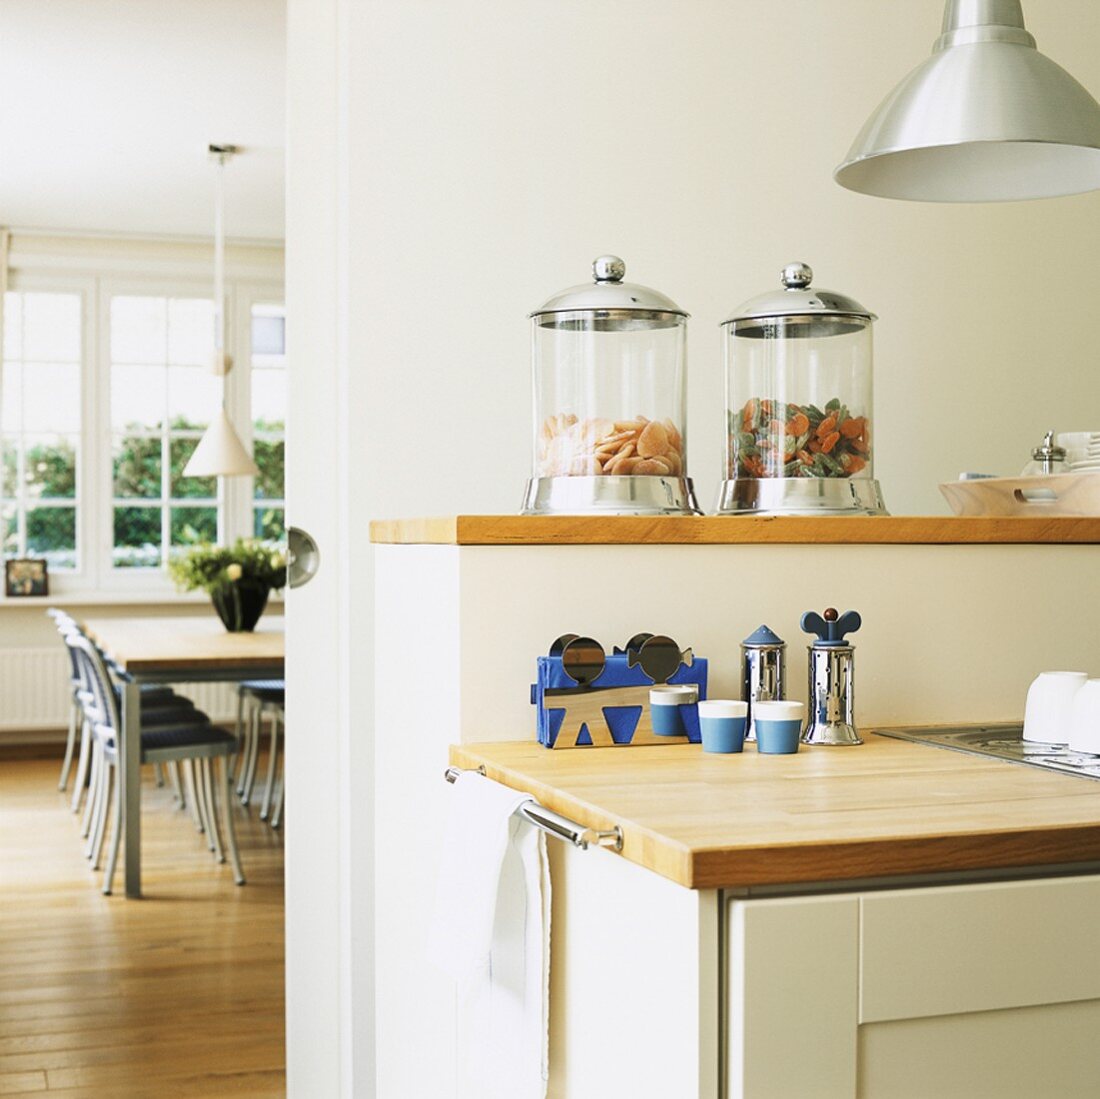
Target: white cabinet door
[792,997]
[635,982]
[968,991]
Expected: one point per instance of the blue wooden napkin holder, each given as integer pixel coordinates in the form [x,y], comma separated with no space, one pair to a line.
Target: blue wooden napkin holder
[612,711]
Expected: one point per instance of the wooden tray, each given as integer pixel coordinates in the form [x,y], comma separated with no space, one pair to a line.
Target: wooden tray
[1054,494]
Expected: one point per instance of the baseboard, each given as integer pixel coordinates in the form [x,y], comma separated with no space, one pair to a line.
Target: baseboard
[24,737]
[32,744]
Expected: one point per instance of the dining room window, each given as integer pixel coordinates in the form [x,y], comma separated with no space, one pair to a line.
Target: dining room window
[105,391]
[268,383]
[40,426]
[162,398]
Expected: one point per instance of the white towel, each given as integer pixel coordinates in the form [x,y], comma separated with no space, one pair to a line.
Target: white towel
[491,933]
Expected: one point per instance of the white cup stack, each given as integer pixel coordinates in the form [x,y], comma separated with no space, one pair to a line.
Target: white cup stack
[1048,712]
[1084,722]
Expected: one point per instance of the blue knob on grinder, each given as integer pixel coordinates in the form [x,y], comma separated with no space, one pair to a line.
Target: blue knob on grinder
[831,627]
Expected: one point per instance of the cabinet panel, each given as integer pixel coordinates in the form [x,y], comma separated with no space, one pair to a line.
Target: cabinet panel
[1019,1054]
[976,948]
[634,982]
[792,969]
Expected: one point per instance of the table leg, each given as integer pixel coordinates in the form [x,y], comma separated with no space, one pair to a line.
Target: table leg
[130,773]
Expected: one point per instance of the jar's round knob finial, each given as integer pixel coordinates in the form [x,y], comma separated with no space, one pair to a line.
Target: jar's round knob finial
[797,276]
[608,269]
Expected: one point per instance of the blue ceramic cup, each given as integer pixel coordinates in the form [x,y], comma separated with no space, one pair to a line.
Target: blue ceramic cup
[778,726]
[722,725]
[665,707]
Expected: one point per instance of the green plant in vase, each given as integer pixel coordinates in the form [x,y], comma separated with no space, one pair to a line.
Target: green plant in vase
[238,578]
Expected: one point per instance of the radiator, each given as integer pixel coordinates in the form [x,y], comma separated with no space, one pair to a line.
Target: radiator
[34,692]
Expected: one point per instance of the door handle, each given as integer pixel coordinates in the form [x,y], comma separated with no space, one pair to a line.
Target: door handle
[303,558]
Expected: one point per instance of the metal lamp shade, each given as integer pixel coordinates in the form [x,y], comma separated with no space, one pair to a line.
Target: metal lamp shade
[986,119]
[220,452]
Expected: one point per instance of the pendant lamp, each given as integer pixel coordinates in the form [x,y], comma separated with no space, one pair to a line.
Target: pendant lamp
[987,118]
[220,452]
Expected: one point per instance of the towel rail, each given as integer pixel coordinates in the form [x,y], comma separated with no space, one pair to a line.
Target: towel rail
[555,824]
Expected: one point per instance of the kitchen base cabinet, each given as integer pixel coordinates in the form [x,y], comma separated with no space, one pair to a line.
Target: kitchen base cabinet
[974,990]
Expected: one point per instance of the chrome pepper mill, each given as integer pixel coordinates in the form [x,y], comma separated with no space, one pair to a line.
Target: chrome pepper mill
[829,716]
[763,670]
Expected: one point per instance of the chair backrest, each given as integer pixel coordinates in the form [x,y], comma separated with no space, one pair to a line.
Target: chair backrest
[67,625]
[98,697]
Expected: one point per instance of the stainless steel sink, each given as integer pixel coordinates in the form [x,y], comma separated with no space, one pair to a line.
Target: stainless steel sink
[1002,742]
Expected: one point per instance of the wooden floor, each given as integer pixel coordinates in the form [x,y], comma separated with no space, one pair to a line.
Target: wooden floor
[179,994]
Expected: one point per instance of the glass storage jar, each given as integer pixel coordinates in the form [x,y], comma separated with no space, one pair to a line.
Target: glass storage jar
[609,362]
[798,404]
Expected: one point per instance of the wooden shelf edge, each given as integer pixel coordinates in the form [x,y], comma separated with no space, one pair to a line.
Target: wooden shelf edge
[703,530]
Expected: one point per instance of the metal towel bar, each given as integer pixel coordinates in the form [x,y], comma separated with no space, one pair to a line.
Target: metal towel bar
[557,825]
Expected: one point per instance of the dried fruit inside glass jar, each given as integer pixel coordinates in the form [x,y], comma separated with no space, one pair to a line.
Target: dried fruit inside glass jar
[778,439]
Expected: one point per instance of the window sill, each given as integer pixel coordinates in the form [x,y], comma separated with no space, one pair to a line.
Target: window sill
[116,599]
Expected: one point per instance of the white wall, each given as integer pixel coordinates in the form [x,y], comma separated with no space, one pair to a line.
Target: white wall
[487,152]
[497,148]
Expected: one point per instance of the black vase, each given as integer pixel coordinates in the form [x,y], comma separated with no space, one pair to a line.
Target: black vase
[240,603]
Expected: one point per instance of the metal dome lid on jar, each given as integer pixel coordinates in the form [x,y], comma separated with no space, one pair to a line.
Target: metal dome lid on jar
[609,370]
[799,403]
[811,311]
[608,303]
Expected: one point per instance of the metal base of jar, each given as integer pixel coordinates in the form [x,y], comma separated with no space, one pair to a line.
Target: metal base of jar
[800,496]
[610,496]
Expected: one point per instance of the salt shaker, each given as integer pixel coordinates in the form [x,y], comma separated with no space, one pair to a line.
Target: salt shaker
[830,714]
[1046,458]
[763,659]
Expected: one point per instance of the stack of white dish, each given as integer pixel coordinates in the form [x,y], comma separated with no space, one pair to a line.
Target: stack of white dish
[1082,450]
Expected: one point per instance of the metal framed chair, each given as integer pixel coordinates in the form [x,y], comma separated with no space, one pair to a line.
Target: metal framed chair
[155,699]
[191,740]
[64,622]
[255,699]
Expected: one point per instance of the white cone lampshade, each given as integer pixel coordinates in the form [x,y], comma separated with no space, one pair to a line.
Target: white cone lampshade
[987,118]
[220,452]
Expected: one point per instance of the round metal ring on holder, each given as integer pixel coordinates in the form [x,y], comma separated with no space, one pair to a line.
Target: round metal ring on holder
[798,404]
[610,437]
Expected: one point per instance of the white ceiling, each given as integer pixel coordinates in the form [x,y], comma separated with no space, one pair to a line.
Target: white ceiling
[108,106]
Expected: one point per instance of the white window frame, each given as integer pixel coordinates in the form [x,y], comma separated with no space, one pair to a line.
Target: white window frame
[95,487]
[84,287]
[248,296]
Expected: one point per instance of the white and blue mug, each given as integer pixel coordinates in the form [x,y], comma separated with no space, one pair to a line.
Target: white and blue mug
[778,726]
[665,704]
[722,724]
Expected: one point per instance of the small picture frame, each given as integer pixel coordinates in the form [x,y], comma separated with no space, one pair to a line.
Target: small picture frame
[25,576]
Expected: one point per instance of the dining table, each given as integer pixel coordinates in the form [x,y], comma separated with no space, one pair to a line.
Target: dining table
[165,650]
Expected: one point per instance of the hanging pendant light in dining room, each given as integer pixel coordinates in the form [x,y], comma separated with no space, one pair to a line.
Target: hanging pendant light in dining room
[220,452]
[987,118]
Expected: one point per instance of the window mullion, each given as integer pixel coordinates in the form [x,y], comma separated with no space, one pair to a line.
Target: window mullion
[21,478]
[165,481]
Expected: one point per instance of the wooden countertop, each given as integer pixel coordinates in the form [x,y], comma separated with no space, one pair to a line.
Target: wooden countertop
[574,530]
[825,814]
